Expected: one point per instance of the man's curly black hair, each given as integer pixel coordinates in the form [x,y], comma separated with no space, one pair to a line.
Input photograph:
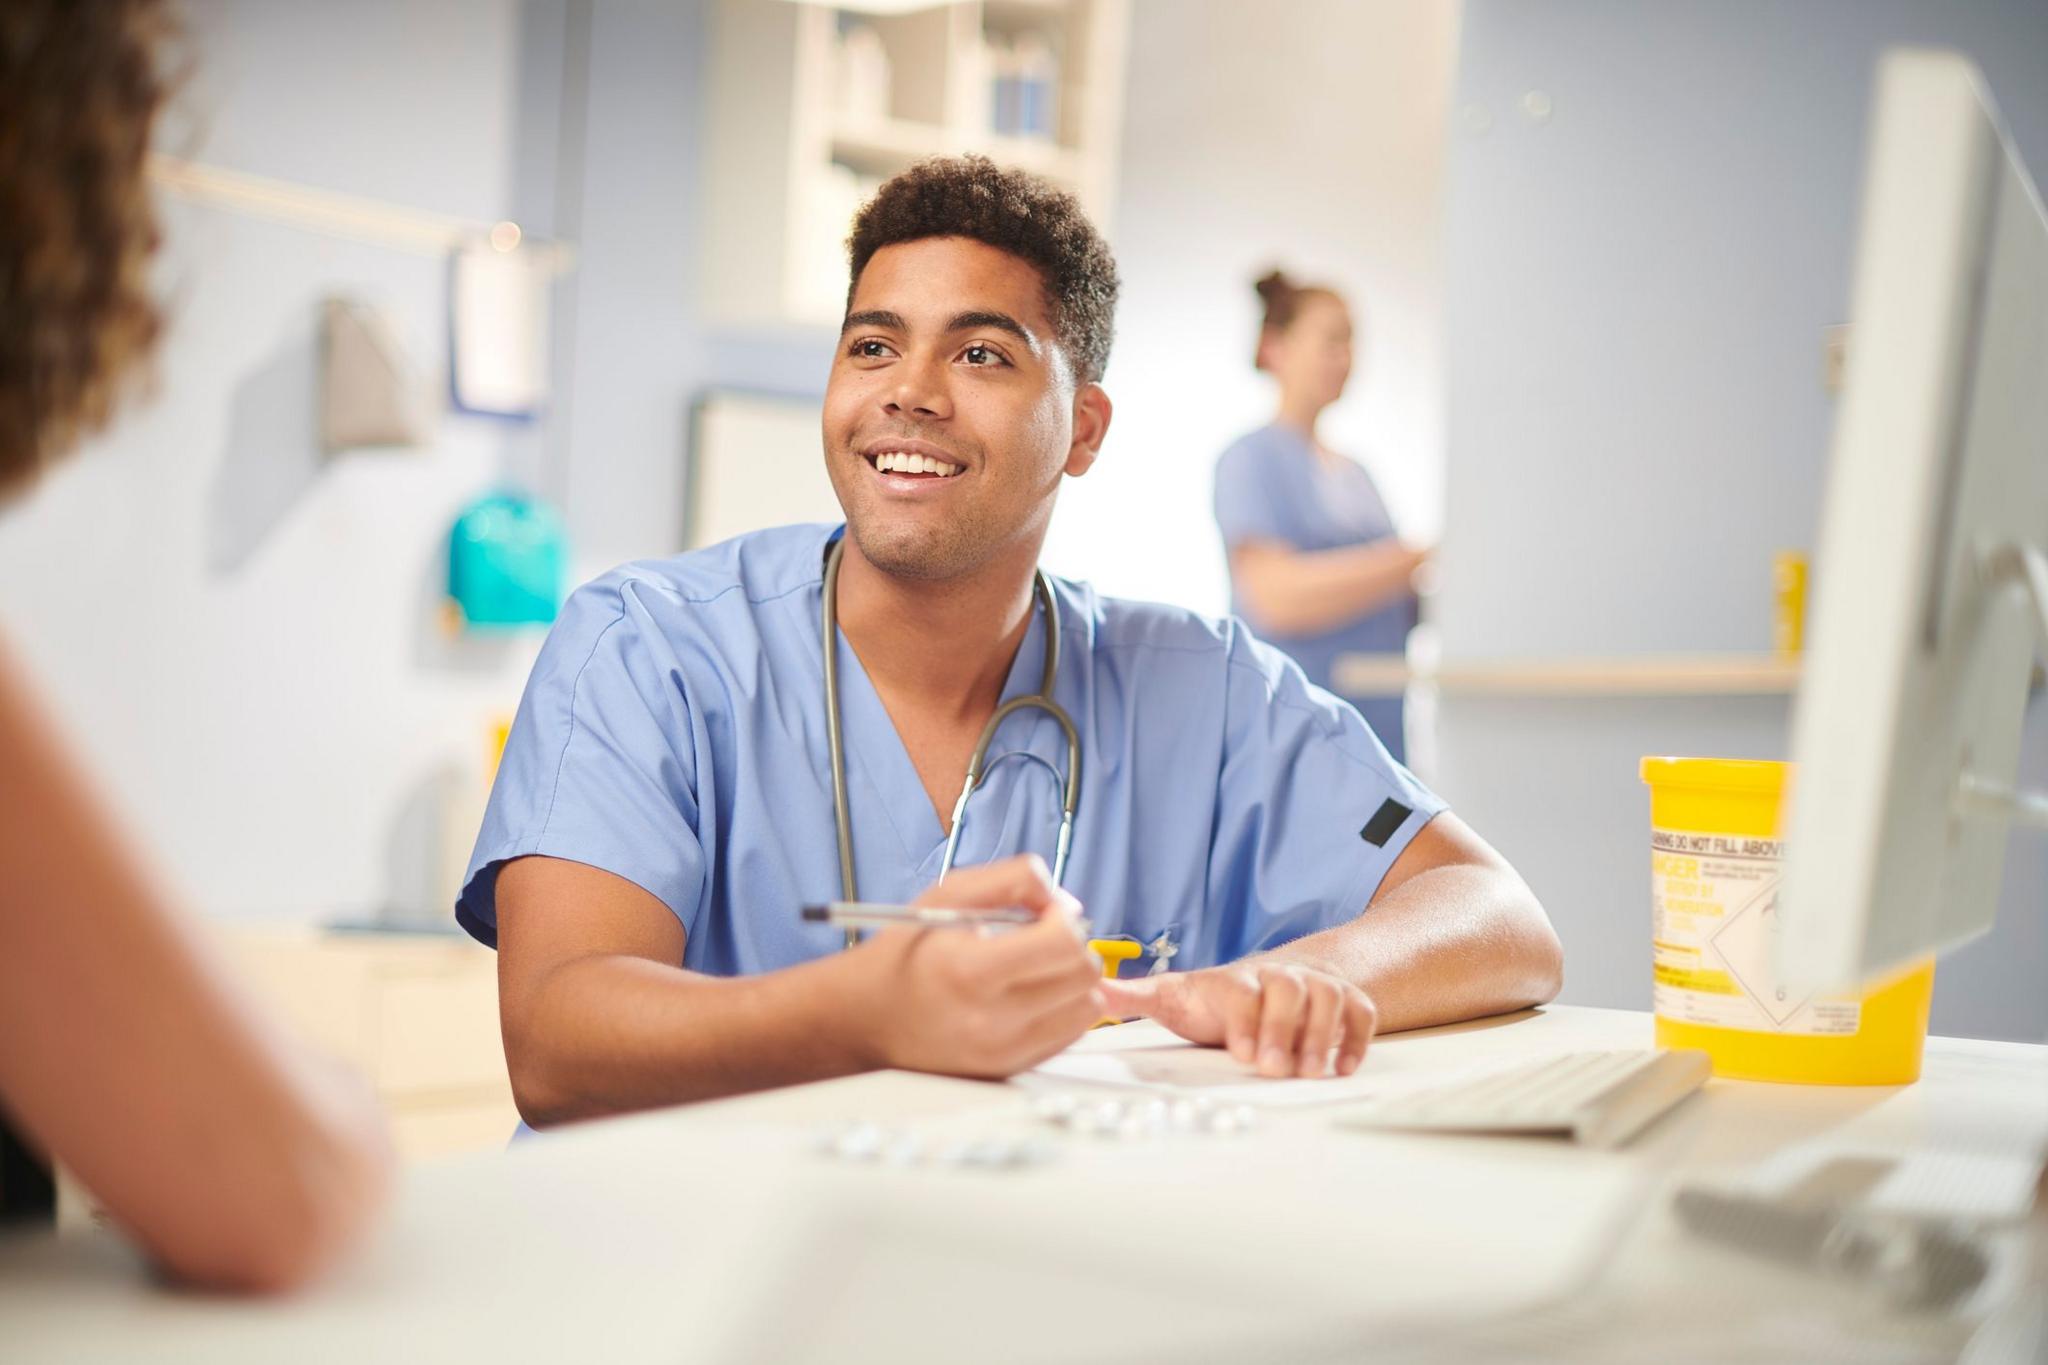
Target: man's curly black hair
[1013,211]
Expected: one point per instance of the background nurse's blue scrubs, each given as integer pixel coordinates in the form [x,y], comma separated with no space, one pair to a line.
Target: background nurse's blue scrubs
[1272,485]
[673,733]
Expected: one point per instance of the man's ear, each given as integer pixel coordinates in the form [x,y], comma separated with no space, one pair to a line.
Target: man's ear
[1091,424]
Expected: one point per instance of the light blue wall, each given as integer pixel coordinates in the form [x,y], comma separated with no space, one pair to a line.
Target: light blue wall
[637,351]
[635,354]
[1636,292]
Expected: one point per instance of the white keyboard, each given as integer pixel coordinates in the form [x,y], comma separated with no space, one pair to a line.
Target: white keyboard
[1600,1098]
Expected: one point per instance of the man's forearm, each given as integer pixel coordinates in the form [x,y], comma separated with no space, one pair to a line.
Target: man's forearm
[612,1033]
[1453,942]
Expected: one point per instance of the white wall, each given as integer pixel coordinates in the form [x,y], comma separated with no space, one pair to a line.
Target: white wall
[1636,292]
[1307,133]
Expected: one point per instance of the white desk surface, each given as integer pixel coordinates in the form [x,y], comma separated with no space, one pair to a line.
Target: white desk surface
[719,1232]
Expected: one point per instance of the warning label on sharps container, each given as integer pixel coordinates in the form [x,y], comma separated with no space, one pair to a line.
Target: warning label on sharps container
[1714,899]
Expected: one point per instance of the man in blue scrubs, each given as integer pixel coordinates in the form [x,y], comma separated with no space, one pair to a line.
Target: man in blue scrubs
[665,803]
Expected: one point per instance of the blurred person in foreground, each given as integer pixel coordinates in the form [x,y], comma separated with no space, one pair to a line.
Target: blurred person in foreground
[1315,564]
[126,1052]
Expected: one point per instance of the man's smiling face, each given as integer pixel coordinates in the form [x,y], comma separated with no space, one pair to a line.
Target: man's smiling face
[949,414]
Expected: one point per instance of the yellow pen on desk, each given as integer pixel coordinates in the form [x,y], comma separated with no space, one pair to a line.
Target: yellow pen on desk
[1114,952]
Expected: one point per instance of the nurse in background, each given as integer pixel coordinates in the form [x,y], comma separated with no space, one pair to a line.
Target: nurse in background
[1315,565]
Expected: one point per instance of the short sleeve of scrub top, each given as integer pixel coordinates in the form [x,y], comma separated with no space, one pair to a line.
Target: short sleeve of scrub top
[1250,502]
[1311,811]
[598,768]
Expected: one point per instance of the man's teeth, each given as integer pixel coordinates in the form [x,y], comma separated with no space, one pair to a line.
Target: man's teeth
[901,462]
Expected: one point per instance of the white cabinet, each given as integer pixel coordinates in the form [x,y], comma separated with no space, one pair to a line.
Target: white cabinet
[415,1014]
[812,106]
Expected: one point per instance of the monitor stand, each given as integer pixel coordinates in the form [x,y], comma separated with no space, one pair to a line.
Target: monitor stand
[1980,797]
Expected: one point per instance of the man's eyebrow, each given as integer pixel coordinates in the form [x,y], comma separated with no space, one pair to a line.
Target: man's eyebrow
[970,321]
[1001,322]
[873,317]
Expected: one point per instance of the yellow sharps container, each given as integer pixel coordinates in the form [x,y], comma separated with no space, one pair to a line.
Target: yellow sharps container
[1714,860]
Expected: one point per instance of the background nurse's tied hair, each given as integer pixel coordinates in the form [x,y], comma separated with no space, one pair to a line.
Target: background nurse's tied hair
[79,89]
[1283,299]
[970,196]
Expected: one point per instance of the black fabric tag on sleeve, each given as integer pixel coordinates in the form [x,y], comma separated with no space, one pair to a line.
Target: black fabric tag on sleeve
[1384,822]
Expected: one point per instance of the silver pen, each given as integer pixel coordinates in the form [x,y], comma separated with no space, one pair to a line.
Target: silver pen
[880,915]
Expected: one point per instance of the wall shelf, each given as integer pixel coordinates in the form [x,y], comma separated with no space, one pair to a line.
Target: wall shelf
[802,129]
[1651,675]
[397,226]
[886,145]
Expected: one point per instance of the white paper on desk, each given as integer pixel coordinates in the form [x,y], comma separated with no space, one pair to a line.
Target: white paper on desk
[1147,1057]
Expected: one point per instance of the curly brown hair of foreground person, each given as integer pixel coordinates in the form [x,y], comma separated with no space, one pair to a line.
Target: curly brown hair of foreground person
[970,196]
[80,86]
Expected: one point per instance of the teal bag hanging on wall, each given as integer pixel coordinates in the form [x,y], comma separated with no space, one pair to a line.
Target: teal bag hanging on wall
[506,560]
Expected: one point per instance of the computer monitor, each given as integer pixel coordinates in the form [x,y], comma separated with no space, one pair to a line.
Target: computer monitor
[1931,585]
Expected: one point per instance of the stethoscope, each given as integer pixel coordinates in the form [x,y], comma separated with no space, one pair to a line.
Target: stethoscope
[977,765]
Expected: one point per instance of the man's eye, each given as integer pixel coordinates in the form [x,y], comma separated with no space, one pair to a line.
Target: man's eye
[981,355]
[870,349]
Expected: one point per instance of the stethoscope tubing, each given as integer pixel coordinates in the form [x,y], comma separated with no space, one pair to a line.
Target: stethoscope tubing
[977,766]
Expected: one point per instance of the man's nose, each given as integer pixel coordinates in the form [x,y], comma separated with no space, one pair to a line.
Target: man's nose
[919,391]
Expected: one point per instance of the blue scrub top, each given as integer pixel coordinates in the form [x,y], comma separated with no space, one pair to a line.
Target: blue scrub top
[1271,485]
[673,733]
